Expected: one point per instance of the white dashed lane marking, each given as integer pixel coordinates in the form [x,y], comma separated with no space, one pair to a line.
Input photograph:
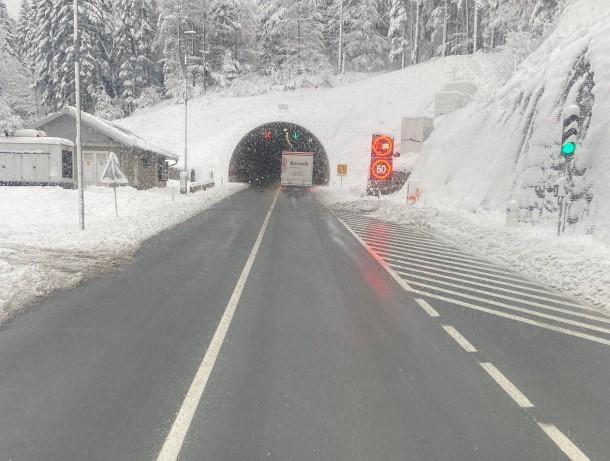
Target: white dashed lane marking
[398,260]
[508,387]
[463,342]
[427,307]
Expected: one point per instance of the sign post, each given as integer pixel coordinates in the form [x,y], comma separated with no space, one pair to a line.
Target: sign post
[112,175]
[341,171]
[382,162]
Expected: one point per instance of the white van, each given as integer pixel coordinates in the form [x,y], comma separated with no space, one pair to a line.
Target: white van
[27,157]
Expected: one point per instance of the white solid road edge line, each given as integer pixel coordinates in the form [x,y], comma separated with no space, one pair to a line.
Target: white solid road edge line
[466,345]
[173,443]
[508,387]
[427,307]
[402,282]
[564,443]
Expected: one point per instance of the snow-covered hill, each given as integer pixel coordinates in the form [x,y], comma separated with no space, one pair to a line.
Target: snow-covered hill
[342,118]
[487,154]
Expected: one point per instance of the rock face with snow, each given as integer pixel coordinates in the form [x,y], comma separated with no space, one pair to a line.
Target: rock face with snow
[509,148]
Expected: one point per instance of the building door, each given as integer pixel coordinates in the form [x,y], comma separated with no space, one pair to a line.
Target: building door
[8,167]
[100,163]
[88,168]
[94,166]
[35,167]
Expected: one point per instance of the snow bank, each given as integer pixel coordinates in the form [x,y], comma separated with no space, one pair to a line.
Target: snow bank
[41,248]
[508,148]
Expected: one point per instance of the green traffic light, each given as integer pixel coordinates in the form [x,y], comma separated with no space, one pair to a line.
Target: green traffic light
[568,149]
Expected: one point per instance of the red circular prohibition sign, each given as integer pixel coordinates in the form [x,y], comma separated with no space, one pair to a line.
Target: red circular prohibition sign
[381,169]
[382,146]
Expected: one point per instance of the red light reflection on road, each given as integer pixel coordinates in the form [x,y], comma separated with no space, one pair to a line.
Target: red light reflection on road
[375,278]
[380,233]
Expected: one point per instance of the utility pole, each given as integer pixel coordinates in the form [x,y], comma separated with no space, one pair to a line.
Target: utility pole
[475,34]
[340,64]
[445,30]
[79,145]
[203,51]
[183,64]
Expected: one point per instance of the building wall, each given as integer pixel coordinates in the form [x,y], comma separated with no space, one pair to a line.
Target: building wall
[132,160]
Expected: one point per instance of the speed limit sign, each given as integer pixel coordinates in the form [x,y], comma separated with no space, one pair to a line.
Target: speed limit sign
[381,169]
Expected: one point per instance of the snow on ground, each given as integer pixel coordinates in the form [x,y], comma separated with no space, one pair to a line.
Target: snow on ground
[41,248]
[578,266]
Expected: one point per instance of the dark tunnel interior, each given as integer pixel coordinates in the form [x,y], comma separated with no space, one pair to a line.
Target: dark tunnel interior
[258,156]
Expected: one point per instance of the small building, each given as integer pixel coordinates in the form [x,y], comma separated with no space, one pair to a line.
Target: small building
[145,164]
[28,157]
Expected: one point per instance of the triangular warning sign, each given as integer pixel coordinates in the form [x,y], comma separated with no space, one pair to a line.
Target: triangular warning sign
[112,173]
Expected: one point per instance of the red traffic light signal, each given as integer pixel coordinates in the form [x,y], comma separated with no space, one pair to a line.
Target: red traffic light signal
[382,146]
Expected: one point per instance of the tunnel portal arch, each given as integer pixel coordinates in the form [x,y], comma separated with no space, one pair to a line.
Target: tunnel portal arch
[258,156]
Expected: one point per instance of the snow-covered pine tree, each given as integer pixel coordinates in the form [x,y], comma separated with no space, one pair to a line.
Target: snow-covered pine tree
[175,16]
[273,33]
[291,37]
[8,27]
[24,37]
[398,31]
[106,107]
[44,48]
[223,40]
[224,26]
[16,98]
[365,46]
[55,53]
[8,118]
[308,33]
[133,49]
[542,14]
[166,45]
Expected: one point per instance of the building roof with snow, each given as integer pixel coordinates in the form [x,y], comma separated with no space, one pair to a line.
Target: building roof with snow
[109,129]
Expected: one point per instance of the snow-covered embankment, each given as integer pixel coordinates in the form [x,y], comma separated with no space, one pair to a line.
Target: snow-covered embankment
[41,248]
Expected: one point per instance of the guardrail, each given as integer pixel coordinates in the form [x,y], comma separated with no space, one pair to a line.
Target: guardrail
[201,186]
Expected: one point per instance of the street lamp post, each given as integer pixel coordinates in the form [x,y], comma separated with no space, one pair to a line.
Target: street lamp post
[183,57]
[79,146]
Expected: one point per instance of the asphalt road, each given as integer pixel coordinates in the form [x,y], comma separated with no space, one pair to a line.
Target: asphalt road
[309,349]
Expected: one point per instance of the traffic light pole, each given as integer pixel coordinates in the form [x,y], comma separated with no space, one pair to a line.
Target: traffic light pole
[569,139]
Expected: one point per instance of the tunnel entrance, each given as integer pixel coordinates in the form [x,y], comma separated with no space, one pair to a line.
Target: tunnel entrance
[258,156]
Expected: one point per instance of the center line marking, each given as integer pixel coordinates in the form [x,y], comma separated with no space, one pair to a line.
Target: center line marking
[508,387]
[564,443]
[466,345]
[175,439]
